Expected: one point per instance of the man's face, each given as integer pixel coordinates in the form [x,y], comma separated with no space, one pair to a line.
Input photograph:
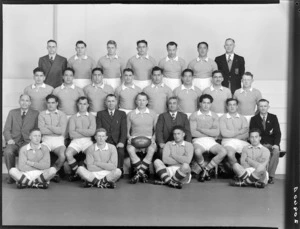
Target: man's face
[172,49]
[128,77]
[232,106]
[205,104]
[51,46]
[178,135]
[187,78]
[100,138]
[80,49]
[247,81]
[68,77]
[111,102]
[255,138]
[97,77]
[157,77]
[173,105]
[217,79]
[142,49]
[111,49]
[229,46]
[202,50]
[141,101]
[39,77]
[52,104]
[263,107]
[24,102]
[35,137]
[82,105]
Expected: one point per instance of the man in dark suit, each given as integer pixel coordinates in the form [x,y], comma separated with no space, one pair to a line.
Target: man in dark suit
[271,134]
[115,123]
[17,127]
[167,121]
[232,66]
[53,65]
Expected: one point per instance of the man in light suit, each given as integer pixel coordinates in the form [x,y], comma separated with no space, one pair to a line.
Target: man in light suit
[114,122]
[232,66]
[167,121]
[53,65]
[17,127]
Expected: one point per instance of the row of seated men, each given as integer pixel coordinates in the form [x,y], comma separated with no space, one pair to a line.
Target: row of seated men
[231,64]
[177,145]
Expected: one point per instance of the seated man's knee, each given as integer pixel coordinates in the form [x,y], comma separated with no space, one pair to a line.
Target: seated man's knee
[222,152]
[260,169]
[118,172]
[198,151]
[13,171]
[69,154]
[157,163]
[52,170]
[185,168]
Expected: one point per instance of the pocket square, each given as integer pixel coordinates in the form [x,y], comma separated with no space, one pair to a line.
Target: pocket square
[236,71]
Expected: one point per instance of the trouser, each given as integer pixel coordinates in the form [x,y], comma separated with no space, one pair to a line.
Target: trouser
[10,153]
[121,152]
[274,160]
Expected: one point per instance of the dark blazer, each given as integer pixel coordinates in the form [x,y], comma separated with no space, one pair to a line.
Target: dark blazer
[54,71]
[236,72]
[16,129]
[116,128]
[164,127]
[272,134]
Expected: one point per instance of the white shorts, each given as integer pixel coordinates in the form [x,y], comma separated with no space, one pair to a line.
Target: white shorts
[101,174]
[142,83]
[32,175]
[202,83]
[172,170]
[220,114]
[81,82]
[68,117]
[114,82]
[125,110]
[172,83]
[248,117]
[188,115]
[236,144]
[93,113]
[81,144]
[53,142]
[206,142]
[251,170]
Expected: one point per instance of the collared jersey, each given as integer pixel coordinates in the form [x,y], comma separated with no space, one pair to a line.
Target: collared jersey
[86,122]
[203,68]
[112,67]
[206,121]
[187,98]
[141,66]
[172,68]
[56,119]
[126,96]
[82,66]
[230,124]
[258,153]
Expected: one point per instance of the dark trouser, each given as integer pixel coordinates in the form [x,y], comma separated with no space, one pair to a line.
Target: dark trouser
[274,160]
[121,153]
[10,153]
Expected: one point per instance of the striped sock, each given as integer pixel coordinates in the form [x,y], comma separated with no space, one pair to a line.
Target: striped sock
[136,165]
[95,181]
[40,179]
[178,176]
[244,176]
[102,181]
[201,164]
[144,166]
[164,176]
[251,179]
[74,165]
[211,165]
[24,180]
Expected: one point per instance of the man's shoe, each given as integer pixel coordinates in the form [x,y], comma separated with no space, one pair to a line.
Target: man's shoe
[108,184]
[144,178]
[56,178]
[40,185]
[158,182]
[135,179]
[175,184]
[271,180]
[21,186]
[259,184]
[207,177]
[87,184]
[238,183]
[9,180]
[202,176]
[75,177]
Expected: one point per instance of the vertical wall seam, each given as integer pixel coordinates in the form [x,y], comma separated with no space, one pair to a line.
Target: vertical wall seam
[55,22]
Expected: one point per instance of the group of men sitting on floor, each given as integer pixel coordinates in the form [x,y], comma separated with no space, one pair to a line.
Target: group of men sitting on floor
[182,123]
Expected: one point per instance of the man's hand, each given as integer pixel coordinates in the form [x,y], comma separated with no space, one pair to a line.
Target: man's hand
[275,147]
[162,145]
[11,142]
[129,140]
[120,145]
[153,140]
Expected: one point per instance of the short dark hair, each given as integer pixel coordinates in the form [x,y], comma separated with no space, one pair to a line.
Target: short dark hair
[110,95]
[128,70]
[34,129]
[38,69]
[171,43]
[70,69]
[231,99]
[230,39]
[142,94]
[111,42]
[156,68]
[97,69]
[202,42]
[100,130]
[216,71]
[82,98]
[51,96]
[80,42]
[23,95]
[263,100]
[255,130]
[187,70]
[248,74]
[206,96]
[141,41]
[52,41]
[172,97]
[178,127]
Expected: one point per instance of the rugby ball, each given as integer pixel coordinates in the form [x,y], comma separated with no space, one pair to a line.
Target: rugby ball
[140,142]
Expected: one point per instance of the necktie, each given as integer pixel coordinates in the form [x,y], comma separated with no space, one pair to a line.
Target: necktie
[229,62]
[23,115]
[264,122]
[51,59]
[111,114]
[173,117]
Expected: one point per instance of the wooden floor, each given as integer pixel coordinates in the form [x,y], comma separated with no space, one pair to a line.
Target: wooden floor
[213,203]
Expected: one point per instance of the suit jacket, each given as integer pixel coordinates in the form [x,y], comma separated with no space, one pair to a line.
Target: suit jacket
[54,71]
[116,127]
[272,134]
[164,127]
[236,72]
[17,129]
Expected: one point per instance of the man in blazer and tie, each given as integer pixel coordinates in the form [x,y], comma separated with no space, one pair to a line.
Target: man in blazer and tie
[17,127]
[268,124]
[232,66]
[114,122]
[167,121]
[53,65]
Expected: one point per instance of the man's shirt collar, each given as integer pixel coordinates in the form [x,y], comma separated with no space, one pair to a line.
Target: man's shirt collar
[64,86]
[168,59]
[158,85]
[200,113]
[173,113]
[85,114]
[53,56]
[34,86]
[138,56]
[259,146]
[30,148]
[112,57]
[214,89]
[97,148]
[137,111]
[48,112]
[101,86]
[201,59]
[83,57]
[236,116]
[231,56]
[24,111]
[182,143]
[184,88]
[124,87]
[242,90]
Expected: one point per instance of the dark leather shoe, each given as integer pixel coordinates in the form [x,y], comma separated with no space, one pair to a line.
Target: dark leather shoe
[56,178]
[271,180]
[203,175]
[9,180]
[259,184]
[238,183]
